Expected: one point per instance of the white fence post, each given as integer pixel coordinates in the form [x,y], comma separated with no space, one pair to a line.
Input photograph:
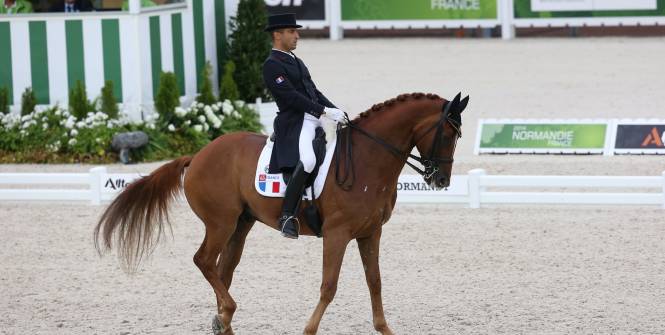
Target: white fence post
[610,138]
[507,15]
[663,189]
[335,20]
[474,187]
[96,184]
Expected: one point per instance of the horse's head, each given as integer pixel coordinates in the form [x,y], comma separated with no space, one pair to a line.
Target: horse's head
[436,138]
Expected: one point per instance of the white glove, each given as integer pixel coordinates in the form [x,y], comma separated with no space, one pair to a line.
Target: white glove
[334,114]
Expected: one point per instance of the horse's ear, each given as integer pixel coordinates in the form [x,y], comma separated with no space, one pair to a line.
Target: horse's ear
[451,106]
[462,104]
[456,99]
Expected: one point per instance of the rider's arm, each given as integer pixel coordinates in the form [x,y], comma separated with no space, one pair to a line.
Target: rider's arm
[322,99]
[284,92]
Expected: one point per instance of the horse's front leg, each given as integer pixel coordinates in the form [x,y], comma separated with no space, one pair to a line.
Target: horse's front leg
[369,252]
[334,246]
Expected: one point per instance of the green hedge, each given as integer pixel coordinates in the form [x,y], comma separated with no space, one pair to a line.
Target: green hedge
[54,135]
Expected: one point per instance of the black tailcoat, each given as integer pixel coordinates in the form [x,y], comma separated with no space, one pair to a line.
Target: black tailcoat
[290,83]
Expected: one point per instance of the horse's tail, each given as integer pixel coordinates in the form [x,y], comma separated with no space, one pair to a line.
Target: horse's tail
[139,212]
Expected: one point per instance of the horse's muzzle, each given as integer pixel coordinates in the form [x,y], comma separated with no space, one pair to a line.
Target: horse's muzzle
[442,181]
[438,181]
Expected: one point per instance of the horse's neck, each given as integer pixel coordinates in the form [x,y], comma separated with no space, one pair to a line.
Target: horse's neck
[394,126]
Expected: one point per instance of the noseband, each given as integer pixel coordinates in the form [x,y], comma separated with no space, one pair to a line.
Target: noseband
[430,162]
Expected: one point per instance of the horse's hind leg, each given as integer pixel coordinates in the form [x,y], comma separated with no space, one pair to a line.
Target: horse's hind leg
[369,252]
[217,235]
[230,256]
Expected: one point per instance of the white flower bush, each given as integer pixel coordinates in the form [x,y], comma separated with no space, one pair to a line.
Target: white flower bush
[211,119]
[55,131]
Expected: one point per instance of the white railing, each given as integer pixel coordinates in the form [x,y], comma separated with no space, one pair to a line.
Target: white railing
[78,186]
[479,181]
[474,189]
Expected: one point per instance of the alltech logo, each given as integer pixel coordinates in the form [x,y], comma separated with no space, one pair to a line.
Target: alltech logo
[640,136]
[654,138]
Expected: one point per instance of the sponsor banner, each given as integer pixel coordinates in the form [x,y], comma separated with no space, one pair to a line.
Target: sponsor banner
[413,184]
[590,5]
[531,137]
[304,9]
[365,10]
[547,9]
[640,138]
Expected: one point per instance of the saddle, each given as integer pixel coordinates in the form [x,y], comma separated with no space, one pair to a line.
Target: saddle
[274,184]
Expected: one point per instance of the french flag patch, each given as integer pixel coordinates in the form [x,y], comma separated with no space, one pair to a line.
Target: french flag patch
[279,80]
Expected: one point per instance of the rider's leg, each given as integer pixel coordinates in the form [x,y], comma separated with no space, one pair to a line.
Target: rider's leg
[305,147]
[288,221]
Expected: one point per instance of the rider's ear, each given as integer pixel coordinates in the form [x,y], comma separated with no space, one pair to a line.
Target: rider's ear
[462,104]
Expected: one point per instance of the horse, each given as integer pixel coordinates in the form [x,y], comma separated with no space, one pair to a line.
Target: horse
[357,199]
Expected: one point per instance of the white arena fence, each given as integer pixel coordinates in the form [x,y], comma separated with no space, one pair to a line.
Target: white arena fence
[474,189]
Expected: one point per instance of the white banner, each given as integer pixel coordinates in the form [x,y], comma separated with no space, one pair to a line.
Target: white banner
[407,184]
[413,184]
[591,5]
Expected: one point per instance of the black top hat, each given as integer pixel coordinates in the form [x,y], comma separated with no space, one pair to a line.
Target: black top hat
[280,21]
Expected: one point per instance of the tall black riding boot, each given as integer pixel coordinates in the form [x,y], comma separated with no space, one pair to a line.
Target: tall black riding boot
[288,221]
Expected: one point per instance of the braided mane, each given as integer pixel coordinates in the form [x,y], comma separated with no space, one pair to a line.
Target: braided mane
[397,100]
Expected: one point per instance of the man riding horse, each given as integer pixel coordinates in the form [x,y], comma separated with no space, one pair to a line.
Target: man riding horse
[376,146]
[300,105]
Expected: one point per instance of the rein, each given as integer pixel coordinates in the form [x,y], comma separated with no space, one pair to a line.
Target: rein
[429,164]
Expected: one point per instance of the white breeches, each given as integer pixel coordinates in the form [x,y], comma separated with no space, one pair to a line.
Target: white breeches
[307,134]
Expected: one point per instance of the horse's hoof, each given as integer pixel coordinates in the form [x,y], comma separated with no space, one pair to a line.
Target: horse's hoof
[218,327]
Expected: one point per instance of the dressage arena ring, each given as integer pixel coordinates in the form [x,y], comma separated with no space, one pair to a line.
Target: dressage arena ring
[446,269]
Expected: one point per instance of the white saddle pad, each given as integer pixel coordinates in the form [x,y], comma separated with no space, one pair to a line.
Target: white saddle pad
[272,184]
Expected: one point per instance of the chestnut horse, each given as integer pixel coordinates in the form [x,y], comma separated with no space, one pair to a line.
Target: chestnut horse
[219,186]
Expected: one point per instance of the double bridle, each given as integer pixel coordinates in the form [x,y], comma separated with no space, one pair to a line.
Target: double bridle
[430,162]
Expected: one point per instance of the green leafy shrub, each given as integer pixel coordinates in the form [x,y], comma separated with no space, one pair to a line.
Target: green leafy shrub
[4,100]
[109,104]
[168,97]
[206,96]
[79,105]
[228,90]
[28,101]
[248,46]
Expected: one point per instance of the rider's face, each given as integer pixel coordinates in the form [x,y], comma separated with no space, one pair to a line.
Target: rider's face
[287,39]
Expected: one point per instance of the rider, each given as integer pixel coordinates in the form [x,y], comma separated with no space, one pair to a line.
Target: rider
[300,106]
